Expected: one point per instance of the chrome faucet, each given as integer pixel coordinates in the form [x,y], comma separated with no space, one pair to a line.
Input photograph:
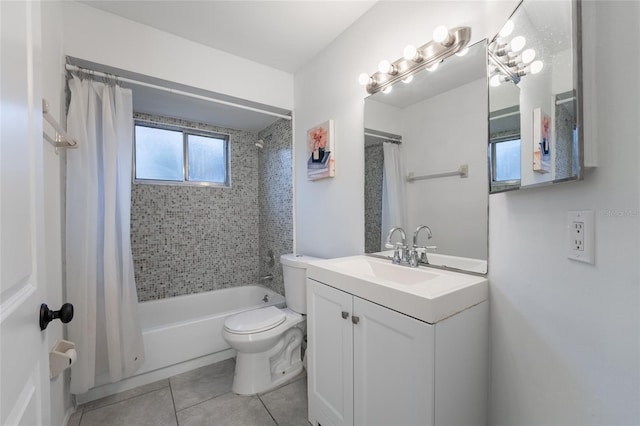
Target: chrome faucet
[422,257]
[398,256]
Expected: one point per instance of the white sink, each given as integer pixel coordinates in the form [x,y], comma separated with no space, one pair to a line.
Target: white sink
[424,293]
[368,267]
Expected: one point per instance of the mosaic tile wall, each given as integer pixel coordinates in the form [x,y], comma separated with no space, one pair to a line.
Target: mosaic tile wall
[564,140]
[275,200]
[189,239]
[373,169]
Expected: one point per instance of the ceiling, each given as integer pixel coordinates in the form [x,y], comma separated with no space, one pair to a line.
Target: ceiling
[280,34]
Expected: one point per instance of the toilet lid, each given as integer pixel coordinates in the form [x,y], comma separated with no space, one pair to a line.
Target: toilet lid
[255,320]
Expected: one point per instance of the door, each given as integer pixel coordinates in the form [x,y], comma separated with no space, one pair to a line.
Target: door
[24,384]
[393,369]
[330,355]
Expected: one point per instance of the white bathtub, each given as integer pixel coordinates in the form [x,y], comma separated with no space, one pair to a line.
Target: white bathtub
[182,328]
[185,332]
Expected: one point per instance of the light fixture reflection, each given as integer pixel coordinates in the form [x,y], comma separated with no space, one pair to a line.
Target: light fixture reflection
[433,67]
[536,67]
[387,90]
[463,52]
[507,29]
[518,43]
[528,55]
[408,79]
[495,80]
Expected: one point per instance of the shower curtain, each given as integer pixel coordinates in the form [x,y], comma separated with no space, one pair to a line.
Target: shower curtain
[394,199]
[100,275]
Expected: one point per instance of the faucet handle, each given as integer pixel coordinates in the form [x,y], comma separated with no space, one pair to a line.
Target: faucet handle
[397,256]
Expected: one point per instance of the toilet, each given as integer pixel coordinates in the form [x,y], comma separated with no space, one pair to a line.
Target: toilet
[268,340]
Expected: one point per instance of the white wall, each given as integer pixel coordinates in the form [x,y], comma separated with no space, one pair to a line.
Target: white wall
[53,92]
[566,339]
[329,213]
[440,134]
[108,39]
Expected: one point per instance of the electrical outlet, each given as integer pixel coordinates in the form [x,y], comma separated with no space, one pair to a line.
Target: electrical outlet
[581,241]
[577,230]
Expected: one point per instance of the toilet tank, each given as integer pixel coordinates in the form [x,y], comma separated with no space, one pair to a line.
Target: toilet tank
[294,269]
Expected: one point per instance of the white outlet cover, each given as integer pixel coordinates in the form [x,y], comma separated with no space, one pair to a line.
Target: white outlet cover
[586,253]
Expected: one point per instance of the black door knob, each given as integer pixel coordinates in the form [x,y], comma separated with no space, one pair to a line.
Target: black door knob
[65,314]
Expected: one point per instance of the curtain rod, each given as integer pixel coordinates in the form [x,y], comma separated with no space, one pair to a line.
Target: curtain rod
[76,68]
[384,138]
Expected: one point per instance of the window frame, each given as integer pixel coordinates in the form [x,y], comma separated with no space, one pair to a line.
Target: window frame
[502,185]
[186,131]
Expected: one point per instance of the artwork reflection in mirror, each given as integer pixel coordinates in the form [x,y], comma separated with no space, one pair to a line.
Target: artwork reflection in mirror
[534,116]
[426,162]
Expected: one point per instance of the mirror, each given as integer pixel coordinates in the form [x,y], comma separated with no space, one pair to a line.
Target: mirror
[426,162]
[535,135]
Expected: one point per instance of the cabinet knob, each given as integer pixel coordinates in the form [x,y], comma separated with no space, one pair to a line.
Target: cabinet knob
[355,319]
[345,314]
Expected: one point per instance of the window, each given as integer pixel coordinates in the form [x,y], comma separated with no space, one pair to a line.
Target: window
[507,160]
[173,155]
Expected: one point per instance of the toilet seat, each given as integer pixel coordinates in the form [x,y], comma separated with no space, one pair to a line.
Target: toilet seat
[255,321]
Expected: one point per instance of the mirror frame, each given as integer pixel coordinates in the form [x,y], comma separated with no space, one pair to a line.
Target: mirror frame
[577,62]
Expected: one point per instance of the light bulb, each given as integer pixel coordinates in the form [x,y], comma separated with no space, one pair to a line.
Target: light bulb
[384,66]
[408,79]
[463,52]
[495,80]
[433,67]
[441,35]
[387,90]
[528,55]
[410,52]
[518,43]
[507,29]
[364,79]
[536,67]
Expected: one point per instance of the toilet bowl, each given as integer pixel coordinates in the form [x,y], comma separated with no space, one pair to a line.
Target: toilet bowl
[268,340]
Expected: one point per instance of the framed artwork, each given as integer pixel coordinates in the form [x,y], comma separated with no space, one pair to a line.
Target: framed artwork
[541,141]
[321,159]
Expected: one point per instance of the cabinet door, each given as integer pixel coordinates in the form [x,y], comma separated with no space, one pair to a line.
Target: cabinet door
[393,368]
[330,355]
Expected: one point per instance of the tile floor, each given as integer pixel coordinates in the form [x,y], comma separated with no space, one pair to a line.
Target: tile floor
[198,397]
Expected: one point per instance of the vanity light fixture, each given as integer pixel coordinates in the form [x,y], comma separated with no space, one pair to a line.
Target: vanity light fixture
[412,54]
[444,44]
[364,79]
[386,67]
[441,35]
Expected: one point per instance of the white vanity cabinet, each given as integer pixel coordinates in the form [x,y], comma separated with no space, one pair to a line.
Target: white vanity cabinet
[371,365]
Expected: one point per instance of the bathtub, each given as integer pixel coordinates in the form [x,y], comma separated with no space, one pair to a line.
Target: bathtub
[185,332]
[182,328]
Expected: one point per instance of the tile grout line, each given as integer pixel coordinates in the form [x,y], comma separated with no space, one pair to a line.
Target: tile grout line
[265,407]
[204,400]
[173,401]
[84,410]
